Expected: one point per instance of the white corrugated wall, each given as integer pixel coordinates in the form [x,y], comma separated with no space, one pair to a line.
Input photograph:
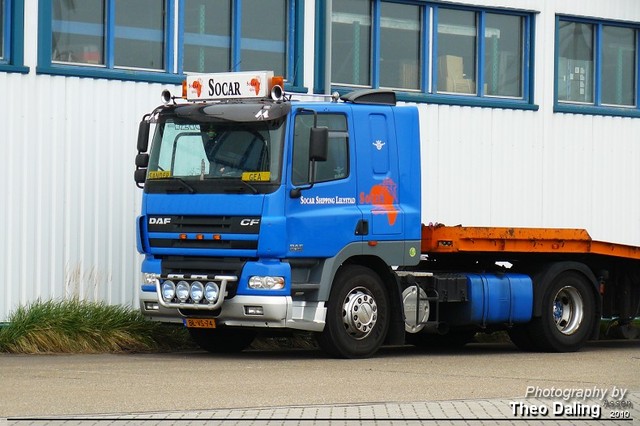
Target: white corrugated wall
[67,146]
[494,167]
[67,190]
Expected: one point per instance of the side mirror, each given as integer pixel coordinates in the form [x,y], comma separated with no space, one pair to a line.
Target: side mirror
[143,135]
[140,176]
[142,160]
[318,143]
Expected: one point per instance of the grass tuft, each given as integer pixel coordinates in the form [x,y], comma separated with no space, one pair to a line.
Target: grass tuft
[74,326]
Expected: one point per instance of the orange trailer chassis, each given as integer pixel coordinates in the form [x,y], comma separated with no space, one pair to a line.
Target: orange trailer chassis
[462,239]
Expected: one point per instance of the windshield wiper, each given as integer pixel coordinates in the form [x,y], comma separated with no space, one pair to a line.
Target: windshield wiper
[251,187]
[231,180]
[182,182]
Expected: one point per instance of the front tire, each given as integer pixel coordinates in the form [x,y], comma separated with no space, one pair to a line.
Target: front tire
[358,315]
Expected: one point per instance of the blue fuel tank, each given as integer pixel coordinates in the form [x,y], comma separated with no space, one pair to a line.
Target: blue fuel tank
[498,298]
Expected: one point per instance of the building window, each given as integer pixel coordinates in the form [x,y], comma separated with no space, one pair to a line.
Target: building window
[243,35]
[499,66]
[456,53]
[207,36]
[140,34]
[430,52]
[351,42]
[78,32]
[12,36]
[160,40]
[400,63]
[81,34]
[122,39]
[597,67]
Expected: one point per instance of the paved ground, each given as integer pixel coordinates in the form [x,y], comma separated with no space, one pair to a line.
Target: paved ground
[481,384]
[480,411]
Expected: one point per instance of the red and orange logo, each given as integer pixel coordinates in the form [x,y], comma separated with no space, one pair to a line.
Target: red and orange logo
[196,86]
[383,198]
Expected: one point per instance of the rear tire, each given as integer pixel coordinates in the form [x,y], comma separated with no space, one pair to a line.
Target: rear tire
[568,314]
[357,314]
[222,341]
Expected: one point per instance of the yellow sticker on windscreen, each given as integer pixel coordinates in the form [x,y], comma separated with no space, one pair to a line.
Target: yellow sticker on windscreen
[159,174]
[256,176]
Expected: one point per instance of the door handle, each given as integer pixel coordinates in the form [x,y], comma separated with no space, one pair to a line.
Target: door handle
[362,228]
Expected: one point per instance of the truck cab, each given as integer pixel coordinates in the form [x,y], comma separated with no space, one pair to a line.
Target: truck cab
[257,210]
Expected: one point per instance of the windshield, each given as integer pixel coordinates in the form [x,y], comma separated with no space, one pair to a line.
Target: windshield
[211,156]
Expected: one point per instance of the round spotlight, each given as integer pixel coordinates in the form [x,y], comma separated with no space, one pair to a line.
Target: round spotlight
[211,292]
[182,291]
[168,290]
[197,290]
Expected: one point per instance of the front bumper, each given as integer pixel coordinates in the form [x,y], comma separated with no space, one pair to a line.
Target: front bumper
[277,312]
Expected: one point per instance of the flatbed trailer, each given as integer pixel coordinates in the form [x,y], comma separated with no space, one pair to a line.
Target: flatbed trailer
[576,281]
[465,239]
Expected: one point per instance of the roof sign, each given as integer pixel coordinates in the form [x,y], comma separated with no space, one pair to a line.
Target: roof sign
[234,85]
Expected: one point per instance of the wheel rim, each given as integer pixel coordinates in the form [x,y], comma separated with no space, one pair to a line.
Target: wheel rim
[568,310]
[359,313]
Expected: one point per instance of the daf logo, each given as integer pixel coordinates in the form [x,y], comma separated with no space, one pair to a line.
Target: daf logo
[249,222]
[159,220]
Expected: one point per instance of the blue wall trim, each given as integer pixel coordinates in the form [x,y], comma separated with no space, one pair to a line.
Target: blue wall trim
[111,74]
[596,110]
[14,38]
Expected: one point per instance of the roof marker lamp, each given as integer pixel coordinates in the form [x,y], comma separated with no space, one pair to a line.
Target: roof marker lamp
[266,283]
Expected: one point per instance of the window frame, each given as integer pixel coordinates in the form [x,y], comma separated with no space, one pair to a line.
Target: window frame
[597,107]
[294,43]
[428,66]
[13,37]
[333,133]
[108,70]
[173,47]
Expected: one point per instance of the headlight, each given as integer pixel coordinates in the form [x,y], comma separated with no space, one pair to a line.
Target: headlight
[182,291]
[168,290]
[197,290]
[266,283]
[211,292]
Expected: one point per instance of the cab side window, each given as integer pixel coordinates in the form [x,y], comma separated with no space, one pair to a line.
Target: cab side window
[337,165]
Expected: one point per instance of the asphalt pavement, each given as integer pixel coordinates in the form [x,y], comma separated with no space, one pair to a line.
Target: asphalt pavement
[480,384]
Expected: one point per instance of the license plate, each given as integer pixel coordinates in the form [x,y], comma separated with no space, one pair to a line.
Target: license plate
[200,323]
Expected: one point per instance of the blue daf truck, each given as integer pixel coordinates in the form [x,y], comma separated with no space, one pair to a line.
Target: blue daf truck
[261,213]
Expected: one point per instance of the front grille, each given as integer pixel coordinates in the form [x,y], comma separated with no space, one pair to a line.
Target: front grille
[172,265]
[203,244]
[204,224]
[203,232]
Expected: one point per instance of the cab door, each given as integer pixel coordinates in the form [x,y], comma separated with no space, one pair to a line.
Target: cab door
[378,172]
[324,216]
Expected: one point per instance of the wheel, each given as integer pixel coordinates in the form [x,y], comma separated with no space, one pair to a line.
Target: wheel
[568,314]
[357,318]
[222,341]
